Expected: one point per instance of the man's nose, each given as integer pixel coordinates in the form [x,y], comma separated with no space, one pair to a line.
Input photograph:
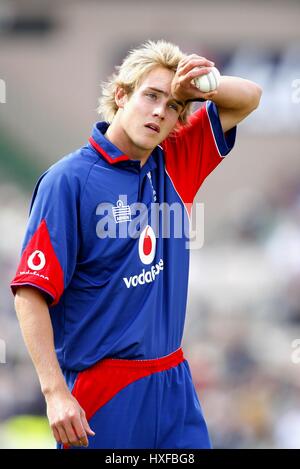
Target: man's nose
[159,111]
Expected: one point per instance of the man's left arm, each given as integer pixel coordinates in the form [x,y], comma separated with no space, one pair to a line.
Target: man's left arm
[235,99]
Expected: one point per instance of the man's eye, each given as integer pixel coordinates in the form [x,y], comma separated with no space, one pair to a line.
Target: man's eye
[174,106]
[151,95]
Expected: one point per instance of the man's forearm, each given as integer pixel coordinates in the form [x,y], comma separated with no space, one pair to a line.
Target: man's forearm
[66,417]
[236,93]
[35,323]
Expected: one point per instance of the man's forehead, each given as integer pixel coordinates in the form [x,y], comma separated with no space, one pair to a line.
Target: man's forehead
[159,78]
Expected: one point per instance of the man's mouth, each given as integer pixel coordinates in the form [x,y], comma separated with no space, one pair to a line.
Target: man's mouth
[153,126]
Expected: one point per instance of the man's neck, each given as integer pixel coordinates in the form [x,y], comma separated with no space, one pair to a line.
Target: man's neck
[116,135]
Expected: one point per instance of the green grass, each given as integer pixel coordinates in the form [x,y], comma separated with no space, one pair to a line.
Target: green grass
[26,432]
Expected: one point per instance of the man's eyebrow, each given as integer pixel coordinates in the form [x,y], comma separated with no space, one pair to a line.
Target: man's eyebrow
[158,90]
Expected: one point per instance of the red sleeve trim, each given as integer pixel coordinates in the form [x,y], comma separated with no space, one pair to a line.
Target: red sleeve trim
[39,266]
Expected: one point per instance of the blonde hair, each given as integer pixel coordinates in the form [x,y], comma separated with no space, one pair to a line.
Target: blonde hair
[134,67]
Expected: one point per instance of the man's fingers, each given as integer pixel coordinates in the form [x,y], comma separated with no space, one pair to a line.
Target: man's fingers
[62,435]
[197,72]
[56,435]
[86,425]
[189,65]
[80,431]
[186,81]
[191,57]
[71,435]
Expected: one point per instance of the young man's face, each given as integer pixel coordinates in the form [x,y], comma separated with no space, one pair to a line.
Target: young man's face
[150,113]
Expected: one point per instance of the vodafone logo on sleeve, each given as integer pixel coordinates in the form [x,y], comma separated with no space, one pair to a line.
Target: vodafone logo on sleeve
[147,249]
[36,261]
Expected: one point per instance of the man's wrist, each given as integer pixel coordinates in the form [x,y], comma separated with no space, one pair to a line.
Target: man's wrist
[50,393]
[53,388]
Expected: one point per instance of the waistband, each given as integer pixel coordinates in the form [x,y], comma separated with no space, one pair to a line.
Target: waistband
[154,364]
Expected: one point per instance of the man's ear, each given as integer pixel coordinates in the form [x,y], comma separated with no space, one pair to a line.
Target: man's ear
[121,97]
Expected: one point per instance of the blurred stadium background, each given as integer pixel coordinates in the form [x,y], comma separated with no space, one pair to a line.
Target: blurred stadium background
[244,297]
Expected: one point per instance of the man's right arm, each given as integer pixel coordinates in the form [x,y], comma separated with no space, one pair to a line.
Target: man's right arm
[67,419]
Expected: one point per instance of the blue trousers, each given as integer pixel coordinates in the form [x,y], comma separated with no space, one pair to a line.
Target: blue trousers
[133,404]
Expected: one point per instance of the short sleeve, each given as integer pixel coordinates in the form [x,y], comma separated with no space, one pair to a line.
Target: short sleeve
[195,151]
[50,245]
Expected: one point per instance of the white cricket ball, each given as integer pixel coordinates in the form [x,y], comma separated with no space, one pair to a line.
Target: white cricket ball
[208,82]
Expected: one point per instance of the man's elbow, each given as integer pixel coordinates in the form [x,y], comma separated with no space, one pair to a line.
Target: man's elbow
[254,96]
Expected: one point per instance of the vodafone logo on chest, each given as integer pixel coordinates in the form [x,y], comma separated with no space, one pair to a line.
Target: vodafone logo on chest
[36,261]
[147,250]
[147,245]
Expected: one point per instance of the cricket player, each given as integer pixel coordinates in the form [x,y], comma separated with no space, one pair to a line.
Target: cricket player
[101,287]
